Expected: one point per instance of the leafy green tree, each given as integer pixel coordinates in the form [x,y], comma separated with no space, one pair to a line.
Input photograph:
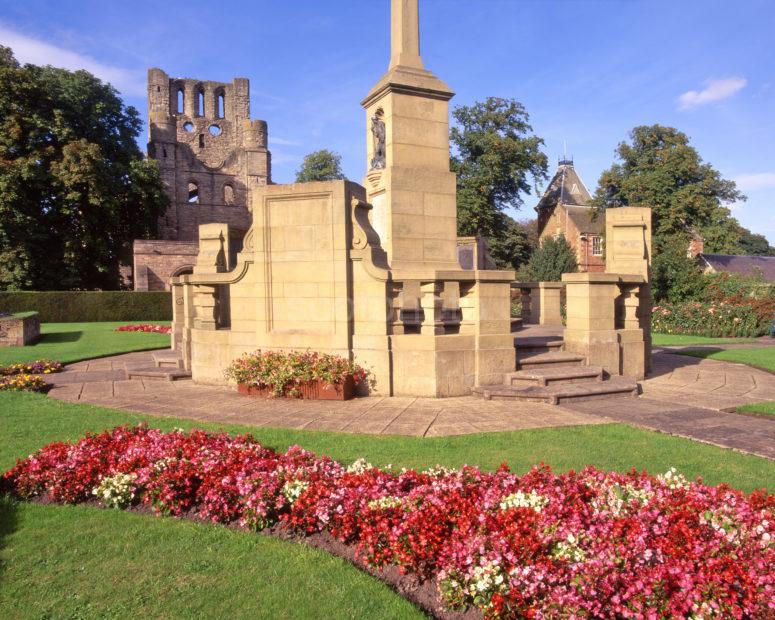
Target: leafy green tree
[75,189]
[550,260]
[659,169]
[497,159]
[753,244]
[513,249]
[323,165]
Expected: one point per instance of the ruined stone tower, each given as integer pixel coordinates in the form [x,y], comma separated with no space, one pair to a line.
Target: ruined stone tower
[211,155]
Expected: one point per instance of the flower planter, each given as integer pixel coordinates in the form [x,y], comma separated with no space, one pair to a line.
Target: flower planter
[309,390]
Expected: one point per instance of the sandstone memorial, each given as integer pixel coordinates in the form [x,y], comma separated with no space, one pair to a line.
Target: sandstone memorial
[371,271]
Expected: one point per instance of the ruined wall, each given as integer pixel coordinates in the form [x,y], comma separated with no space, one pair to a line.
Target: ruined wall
[211,155]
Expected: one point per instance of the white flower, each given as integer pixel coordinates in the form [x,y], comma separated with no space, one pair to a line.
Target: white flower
[524,500]
[116,491]
[359,466]
[293,489]
[385,502]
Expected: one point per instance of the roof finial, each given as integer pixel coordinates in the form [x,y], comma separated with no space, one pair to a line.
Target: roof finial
[565,161]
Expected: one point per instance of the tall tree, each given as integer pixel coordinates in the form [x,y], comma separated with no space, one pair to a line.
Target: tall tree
[497,159]
[75,189]
[322,165]
[753,244]
[658,168]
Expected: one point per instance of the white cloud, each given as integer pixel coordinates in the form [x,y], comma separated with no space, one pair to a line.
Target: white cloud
[755,181]
[715,90]
[37,52]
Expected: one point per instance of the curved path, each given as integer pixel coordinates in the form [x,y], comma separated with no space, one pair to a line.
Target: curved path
[683,396]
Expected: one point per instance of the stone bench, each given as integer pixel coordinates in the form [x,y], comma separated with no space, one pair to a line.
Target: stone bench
[20,329]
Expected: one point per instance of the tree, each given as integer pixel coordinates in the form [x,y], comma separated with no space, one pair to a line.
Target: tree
[550,260]
[497,159]
[513,249]
[674,276]
[75,189]
[753,244]
[323,165]
[661,170]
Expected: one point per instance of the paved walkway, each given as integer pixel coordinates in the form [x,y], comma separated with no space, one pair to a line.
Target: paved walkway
[103,382]
[683,396]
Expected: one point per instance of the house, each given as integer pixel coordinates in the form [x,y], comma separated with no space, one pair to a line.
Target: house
[747,265]
[566,209]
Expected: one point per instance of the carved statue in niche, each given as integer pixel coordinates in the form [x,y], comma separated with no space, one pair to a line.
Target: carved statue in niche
[378,133]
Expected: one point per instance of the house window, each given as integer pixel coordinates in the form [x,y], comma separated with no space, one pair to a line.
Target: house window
[597,246]
[193,193]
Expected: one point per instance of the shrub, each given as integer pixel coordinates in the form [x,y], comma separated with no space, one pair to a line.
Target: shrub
[283,371]
[549,261]
[589,544]
[714,319]
[89,306]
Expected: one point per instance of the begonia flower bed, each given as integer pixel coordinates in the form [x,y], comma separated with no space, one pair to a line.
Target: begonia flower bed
[540,545]
[145,327]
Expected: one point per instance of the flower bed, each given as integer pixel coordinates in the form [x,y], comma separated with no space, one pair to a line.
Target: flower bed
[38,367]
[713,319]
[587,544]
[145,327]
[301,374]
[22,383]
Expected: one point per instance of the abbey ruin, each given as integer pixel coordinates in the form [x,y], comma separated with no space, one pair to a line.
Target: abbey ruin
[211,155]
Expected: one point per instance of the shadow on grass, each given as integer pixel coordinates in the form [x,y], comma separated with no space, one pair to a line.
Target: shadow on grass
[58,337]
[8,523]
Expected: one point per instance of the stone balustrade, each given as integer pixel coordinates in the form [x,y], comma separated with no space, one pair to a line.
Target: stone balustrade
[541,302]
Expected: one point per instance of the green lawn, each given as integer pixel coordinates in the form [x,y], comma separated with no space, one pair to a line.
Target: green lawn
[90,563]
[767,408]
[82,562]
[668,340]
[763,358]
[73,342]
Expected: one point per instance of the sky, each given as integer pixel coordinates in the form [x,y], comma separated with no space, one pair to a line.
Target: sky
[587,71]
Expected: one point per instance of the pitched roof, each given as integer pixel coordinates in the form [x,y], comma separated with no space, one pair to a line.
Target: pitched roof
[746,265]
[583,218]
[566,187]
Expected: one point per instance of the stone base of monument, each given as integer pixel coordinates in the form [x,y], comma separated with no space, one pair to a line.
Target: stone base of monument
[18,330]
[310,390]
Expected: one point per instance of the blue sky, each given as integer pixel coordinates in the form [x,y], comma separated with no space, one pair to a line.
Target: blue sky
[587,71]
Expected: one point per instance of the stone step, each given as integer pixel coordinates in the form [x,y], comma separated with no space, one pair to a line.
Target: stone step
[552,375]
[161,374]
[530,343]
[168,359]
[528,360]
[516,324]
[562,393]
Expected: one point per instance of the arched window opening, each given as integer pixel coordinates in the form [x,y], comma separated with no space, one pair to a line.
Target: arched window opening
[220,105]
[193,193]
[201,140]
[200,102]
[228,194]
[164,152]
[181,100]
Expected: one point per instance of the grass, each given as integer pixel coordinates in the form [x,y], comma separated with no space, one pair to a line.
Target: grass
[73,342]
[763,358]
[82,562]
[765,409]
[668,340]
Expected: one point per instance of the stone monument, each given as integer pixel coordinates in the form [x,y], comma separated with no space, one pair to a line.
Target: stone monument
[366,272]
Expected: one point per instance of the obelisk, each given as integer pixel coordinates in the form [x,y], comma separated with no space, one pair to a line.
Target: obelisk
[407,134]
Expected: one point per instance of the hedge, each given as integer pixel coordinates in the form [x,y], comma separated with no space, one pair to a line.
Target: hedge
[88,306]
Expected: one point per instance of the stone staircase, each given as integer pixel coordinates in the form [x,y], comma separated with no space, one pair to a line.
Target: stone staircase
[546,373]
[167,366]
